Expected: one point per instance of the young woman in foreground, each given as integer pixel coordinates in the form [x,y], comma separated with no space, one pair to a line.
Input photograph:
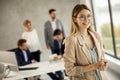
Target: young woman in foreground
[84,54]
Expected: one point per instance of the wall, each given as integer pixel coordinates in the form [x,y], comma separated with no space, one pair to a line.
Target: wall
[14,12]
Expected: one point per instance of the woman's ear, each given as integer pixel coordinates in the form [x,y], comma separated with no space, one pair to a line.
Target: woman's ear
[74,20]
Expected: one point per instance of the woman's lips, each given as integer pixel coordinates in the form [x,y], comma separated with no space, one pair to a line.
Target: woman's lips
[85,23]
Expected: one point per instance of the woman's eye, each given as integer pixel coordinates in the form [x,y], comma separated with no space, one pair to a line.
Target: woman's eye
[82,16]
[89,16]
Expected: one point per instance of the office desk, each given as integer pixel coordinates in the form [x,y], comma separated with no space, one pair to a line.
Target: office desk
[43,68]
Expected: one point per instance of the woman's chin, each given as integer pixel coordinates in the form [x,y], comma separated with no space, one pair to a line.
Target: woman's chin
[86,26]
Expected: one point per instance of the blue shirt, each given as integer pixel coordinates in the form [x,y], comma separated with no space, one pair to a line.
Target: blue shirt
[25,55]
[94,55]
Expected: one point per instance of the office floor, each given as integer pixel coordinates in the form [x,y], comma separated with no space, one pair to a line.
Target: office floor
[110,73]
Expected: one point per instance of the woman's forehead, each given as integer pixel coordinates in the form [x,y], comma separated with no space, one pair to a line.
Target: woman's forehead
[84,11]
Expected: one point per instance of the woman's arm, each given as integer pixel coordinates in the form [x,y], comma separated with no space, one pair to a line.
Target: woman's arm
[105,65]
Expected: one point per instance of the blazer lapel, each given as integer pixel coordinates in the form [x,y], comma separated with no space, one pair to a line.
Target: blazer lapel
[85,50]
[96,42]
[57,25]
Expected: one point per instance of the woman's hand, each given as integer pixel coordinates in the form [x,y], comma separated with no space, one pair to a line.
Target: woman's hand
[102,65]
[33,61]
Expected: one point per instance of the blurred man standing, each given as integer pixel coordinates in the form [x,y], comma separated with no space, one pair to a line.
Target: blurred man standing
[50,26]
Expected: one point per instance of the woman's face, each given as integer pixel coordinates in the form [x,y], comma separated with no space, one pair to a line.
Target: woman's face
[83,19]
[28,26]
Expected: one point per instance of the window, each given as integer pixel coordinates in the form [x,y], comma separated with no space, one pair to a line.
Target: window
[103,25]
[115,5]
[107,23]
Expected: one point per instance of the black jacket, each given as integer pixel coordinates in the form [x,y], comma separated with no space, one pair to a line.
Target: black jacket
[57,49]
[20,57]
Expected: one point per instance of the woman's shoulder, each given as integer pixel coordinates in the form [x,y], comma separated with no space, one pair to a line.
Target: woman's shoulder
[70,39]
[95,32]
[97,35]
[34,30]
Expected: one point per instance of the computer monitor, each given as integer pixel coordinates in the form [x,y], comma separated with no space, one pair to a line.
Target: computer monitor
[8,57]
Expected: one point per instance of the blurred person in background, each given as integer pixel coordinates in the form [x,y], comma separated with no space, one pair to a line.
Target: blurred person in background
[22,53]
[50,26]
[33,41]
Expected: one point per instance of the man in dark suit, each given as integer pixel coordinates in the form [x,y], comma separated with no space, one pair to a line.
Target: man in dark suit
[58,48]
[22,53]
[24,56]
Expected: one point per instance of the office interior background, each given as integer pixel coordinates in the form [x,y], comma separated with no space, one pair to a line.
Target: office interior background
[106,15]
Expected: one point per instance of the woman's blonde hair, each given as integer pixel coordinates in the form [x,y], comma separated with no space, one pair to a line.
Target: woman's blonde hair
[26,22]
[75,12]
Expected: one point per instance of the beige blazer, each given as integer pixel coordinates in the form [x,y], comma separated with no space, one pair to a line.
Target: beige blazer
[78,62]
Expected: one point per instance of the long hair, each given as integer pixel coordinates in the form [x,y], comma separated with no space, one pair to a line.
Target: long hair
[75,12]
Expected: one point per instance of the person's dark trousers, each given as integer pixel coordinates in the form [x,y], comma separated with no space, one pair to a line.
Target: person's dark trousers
[36,55]
[53,76]
[59,74]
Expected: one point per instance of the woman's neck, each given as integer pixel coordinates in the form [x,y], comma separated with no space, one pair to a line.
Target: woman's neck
[28,30]
[84,32]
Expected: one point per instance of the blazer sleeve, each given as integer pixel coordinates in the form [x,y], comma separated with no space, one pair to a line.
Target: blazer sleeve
[30,57]
[63,31]
[62,46]
[20,60]
[56,47]
[46,34]
[70,60]
[101,44]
